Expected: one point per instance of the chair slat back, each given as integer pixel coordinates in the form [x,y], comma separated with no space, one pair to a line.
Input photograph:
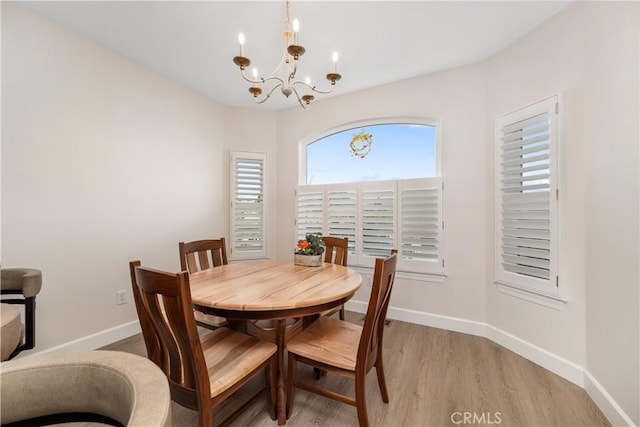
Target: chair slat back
[202,254]
[373,328]
[336,250]
[164,306]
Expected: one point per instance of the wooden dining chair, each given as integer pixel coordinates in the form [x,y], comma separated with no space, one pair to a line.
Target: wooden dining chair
[200,255]
[335,252]
[344,348]
[204,370]
[210,253]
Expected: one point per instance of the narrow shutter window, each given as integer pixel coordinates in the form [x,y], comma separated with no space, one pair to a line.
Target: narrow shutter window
[310,210]
[421,219]
[378,219]
[247,205]
[342,213]
[526,198]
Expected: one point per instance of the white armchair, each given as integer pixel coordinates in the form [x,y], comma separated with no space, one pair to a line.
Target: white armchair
[83,387]
[18,286]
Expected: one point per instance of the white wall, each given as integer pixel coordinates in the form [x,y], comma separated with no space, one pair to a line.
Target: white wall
[612,215]
[456,98]
[103,162]
[590,54]
[254,130]
[547,61]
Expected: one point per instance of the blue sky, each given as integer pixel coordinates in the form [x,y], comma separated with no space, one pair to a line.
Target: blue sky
[398,151]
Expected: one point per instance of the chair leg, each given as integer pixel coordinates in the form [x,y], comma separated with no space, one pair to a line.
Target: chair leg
[30,323]
[291,380]
[270,377]
[361,402]
[342,312]
[205,415]
[381,380]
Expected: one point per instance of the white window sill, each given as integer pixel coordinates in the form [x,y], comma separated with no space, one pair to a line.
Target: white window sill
[546,300]
[410,275]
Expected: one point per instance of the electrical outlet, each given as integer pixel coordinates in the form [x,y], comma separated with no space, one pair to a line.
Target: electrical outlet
[121,297]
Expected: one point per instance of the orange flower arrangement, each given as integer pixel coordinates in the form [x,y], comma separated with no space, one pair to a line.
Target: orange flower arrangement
[311,245]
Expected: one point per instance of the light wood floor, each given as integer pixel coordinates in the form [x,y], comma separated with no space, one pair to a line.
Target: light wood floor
[434,377]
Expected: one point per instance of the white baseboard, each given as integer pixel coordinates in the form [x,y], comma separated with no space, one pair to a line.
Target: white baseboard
[427,319]
[97,340]
[558,365]
[604,401]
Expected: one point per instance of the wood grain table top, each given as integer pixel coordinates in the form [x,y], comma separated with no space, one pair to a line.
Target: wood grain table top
[272,285]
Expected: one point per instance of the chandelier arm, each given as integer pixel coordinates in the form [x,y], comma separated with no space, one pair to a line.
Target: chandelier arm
[269,93]
[313,88]
[324,92]
[244,76]
[292,75]
[305,84]
[300,101]
[264,80]
[283,61]
[261,80]
[263,100]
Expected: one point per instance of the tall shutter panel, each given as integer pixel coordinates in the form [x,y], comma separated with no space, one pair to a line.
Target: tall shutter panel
[378,219]
[310,216]
[526,197]
[342,215]
[247,205]
[421,219]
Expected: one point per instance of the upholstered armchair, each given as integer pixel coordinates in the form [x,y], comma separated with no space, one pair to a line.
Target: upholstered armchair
[84,387]
[18,286]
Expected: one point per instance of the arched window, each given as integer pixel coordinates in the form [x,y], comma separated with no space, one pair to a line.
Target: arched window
[379,184]
[373,153]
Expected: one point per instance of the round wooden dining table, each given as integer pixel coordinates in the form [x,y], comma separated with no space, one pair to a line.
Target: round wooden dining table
[272,289]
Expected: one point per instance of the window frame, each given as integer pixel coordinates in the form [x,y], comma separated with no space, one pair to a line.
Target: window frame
[234,254]
[545,292]
[355,125]
[407,268]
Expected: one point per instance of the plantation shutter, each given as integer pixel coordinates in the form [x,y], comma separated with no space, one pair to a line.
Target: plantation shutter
[378,218]
[526,198]
[247,205]
[342,214]
[310,208]
[421,220]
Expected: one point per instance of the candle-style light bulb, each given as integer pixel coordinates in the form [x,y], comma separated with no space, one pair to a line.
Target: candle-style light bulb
[334,58]
[255,75]
[241,41]
[296,28]
[308,82]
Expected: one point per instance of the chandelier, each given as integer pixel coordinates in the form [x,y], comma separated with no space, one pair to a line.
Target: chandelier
[284,76]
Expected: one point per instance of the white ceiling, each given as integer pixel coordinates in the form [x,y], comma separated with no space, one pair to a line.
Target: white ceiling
[378,41]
